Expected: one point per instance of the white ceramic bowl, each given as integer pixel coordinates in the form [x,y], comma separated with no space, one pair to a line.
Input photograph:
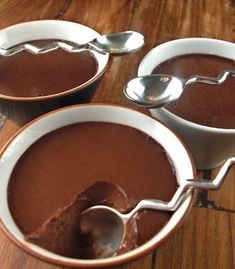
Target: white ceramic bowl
[23,109]
[175,150]
[53,29]
[209,146]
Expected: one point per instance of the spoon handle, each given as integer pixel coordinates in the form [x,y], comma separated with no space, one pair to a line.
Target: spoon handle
[35,49]
[210,80]
[184,190]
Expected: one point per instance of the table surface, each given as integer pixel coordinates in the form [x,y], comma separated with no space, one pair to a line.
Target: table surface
[207,238]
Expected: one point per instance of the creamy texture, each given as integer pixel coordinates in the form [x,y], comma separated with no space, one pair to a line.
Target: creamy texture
[210,105]
[67,161]
[63,235]
[28,75]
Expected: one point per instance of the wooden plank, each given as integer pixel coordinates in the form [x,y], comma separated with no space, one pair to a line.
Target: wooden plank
[224,198]
[12,12]
[143,263]
[206,241]
[103,15]
[14,258]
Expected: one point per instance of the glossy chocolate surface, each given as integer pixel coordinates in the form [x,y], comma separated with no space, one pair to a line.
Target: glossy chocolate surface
[210,105]
[29,75]
[66,162]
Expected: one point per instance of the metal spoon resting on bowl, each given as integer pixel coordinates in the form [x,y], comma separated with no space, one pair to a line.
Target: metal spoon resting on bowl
[158,90]
[108,240]
[119,43]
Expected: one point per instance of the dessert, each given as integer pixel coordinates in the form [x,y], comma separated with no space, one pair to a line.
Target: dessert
[64,170]
[63,235]
[28,75]
[210,105]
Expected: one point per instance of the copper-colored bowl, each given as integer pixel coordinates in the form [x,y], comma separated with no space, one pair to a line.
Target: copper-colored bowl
[177,153]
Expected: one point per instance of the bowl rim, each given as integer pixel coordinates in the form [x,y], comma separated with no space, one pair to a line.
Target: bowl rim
[124,258]
[177,42]
[101,58]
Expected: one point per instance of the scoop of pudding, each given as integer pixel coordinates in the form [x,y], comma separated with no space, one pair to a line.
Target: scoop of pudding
[62,233]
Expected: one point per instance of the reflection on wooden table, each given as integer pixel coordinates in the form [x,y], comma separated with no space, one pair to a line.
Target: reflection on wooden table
[207,238]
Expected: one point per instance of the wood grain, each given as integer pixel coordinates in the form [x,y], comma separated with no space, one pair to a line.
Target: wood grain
[224,198]
[207,239]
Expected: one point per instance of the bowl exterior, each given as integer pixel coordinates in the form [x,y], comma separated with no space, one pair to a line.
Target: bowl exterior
[23,111]
[208,148]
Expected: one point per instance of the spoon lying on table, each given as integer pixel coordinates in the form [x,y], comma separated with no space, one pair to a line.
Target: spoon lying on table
[114,43]
[158,90]
[108,240]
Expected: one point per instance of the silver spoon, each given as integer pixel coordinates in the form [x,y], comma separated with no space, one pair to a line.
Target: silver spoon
[114,43]
[158,90]
[120,43]
[109,239]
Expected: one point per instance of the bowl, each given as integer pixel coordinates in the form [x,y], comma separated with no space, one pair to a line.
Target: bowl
[210,146]
[22,107]
[177,154]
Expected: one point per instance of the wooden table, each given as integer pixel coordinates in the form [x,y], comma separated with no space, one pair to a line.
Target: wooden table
[207,239]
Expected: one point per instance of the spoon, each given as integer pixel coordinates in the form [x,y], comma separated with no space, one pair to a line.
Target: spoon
[114,43]
[108,240]
[120,43]
[158,90]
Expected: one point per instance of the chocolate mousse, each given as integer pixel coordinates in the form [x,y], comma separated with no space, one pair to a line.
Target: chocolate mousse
[210,105]
[28,75]
[62,233]
[60,174]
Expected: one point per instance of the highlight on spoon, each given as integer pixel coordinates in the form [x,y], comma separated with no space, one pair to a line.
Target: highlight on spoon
[104,229]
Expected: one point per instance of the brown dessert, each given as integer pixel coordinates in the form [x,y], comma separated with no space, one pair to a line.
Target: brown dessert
[62,234]
[210,105]
[64,163]
[28,75]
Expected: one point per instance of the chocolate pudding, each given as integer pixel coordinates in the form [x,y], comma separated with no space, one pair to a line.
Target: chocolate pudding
[62,234]
[74,167]
[210,105]
[28,75]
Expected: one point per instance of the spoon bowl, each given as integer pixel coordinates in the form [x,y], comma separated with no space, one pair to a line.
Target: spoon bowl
[105,227]
[154,90]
